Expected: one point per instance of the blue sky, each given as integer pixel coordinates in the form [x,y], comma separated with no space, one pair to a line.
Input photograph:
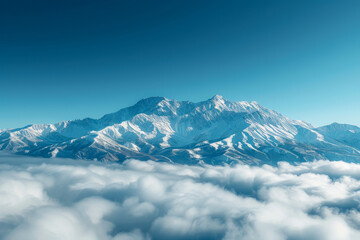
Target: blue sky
[65,60]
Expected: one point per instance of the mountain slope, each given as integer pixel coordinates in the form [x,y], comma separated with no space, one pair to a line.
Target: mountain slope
[214,131]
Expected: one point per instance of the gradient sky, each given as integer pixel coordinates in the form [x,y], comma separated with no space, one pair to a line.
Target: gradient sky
[72,59]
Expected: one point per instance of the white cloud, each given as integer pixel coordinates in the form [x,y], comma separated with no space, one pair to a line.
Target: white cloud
[64,199]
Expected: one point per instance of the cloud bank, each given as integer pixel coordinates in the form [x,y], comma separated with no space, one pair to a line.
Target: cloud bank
[63,199]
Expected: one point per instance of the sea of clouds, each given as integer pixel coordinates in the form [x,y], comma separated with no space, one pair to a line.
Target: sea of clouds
[66,199]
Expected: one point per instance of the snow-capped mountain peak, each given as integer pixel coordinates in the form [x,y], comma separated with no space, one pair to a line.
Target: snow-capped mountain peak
[214,131]
[217,99]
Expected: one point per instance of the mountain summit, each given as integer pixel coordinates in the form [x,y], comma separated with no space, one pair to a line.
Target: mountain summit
[215,131]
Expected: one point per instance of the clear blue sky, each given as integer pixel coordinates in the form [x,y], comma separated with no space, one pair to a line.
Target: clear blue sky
[72,59]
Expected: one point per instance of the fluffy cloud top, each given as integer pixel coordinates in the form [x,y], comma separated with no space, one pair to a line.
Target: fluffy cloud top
[64,199]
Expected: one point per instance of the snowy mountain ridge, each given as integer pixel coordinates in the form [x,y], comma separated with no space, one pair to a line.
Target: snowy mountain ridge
[214,131]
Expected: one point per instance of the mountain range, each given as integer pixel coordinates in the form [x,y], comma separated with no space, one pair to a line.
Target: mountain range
[215,131]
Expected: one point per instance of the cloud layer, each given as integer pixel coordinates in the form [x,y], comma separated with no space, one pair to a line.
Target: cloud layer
[64,199]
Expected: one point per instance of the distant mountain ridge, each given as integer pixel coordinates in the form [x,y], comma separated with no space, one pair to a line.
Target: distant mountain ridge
[215,131]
